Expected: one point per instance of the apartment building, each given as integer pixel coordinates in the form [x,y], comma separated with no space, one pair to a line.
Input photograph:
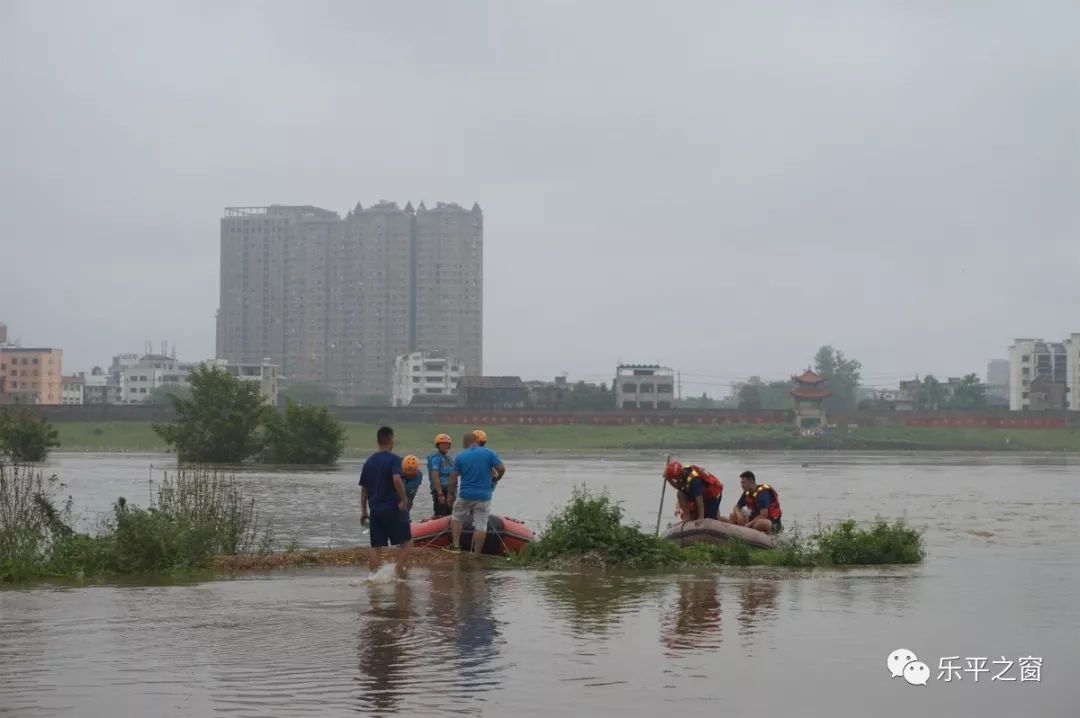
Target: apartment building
[31,375]
[336,300]
[425,374]
[1048,363]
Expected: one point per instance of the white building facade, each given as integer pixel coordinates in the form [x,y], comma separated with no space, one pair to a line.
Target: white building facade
[135,376]
[425,373]
[1048,363]
[644,386]
[71,390]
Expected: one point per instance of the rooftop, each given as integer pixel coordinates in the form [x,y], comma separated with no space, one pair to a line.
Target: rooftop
[809,377]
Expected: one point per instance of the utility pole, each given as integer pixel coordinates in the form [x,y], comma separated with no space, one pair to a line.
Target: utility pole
[678,385]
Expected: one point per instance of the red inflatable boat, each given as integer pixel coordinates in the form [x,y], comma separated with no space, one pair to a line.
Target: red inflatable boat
[504,535]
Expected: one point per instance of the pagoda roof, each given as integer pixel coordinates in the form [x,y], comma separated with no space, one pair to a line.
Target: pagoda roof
[809,377]
[810,392]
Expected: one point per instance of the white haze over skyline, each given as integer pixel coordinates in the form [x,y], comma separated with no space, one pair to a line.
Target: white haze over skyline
[720,187]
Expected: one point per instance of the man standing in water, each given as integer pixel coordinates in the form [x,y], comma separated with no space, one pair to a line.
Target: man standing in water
[382,488]
[763,504]
[477,468]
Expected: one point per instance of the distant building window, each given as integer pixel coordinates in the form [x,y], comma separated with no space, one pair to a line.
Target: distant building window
[646,389]
[143,390]
[416,380]
[1026,371]
[1025,358]
[645,404]
[1025,395]
[665,389]
[629,388]
[629,405]
[663,405]
[35,360]
[430,390]
[415,391]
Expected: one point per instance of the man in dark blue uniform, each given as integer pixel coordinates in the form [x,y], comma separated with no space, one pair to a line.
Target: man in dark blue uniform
[382,493]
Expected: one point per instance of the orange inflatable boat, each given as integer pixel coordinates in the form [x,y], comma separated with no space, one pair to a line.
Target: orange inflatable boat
[504,535]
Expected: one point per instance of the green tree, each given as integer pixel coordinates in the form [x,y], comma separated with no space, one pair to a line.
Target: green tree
[969,394]
[309,393]
[750,397]
[302,435]
[931,396]
[161,395]
[584,396]
[842,378]
[220,422]
[776,396]
[25,436]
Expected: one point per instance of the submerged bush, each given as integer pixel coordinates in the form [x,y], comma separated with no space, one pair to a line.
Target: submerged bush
[28,519]
[198,514]
[591,526]
[883,543]
[590,530]
[24,436]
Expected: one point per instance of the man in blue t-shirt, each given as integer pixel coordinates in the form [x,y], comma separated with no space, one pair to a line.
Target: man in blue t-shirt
[440,466]
[476,469]
[383,490]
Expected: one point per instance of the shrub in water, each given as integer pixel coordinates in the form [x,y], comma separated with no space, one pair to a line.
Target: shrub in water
[884,543]
[591,524]
[28,518]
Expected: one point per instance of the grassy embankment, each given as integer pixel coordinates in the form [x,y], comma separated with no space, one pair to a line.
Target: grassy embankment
[138,436]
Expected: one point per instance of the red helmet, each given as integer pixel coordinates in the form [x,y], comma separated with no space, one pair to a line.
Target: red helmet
[673,471]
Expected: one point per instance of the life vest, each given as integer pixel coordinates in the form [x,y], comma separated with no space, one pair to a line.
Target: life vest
[713,489]
[773,512]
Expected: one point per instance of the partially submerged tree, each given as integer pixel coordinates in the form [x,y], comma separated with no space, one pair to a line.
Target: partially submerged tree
[26,437]
[220,422]
[303,435]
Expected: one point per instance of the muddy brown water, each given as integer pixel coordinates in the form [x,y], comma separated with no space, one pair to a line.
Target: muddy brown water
[1001,582]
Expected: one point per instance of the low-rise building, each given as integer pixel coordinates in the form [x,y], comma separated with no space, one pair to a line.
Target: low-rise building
[425,374]
[97,389]
[71,390]
[264,373]
[492,392]
[31,375]
[644,386]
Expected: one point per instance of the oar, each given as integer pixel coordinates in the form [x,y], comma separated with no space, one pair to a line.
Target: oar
[660,510]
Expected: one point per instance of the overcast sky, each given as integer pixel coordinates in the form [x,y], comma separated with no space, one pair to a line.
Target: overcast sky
[719,186]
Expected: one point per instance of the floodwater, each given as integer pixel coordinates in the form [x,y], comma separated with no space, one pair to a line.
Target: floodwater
[1001,582]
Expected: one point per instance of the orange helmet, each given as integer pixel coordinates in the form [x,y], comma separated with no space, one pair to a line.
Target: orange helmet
[673,471]
[410,464]
[443,439]
[480,435]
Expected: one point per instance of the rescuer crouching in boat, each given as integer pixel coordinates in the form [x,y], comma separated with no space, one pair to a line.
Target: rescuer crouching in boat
[762,505]
[699,492]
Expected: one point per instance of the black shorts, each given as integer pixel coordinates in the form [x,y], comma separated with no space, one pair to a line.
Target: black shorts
[389,526]
[441,509]
[712,508]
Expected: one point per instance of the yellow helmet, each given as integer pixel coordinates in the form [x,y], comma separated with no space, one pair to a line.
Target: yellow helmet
[443,439]
[480,436]
[410,464]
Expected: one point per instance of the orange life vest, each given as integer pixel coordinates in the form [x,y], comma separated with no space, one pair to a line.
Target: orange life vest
[773,512]
[713,490]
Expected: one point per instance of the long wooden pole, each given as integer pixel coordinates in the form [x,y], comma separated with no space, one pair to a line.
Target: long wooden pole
[660,511]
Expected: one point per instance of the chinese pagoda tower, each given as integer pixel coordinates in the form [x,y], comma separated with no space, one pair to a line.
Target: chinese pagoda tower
[809,391]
